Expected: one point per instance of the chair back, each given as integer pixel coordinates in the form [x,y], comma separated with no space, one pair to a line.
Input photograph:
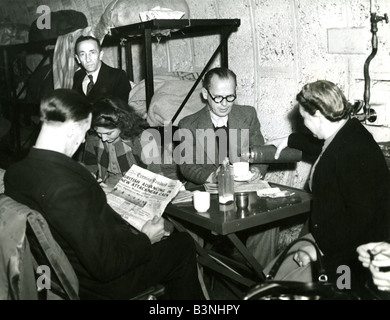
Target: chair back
[39,246]
[27,243]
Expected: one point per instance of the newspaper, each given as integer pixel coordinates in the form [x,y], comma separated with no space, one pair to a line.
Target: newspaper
[183,196]
[141,194]
[240,186]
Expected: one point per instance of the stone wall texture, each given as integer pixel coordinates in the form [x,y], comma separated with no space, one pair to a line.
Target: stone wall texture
[280,45]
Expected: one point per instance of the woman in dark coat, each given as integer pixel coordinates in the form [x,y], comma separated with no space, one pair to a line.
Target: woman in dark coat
[350,184]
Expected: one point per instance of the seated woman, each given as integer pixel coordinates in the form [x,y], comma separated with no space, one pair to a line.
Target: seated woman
[350,184]
[114,145]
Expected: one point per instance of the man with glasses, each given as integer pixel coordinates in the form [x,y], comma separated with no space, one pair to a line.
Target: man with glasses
[235,127]
[222,129]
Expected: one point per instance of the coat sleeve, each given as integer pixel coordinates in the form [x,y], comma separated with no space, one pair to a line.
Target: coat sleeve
[122,87]
[77,81]
[89,156]
[255,136]
[101,240]
[310,146]
[191,170]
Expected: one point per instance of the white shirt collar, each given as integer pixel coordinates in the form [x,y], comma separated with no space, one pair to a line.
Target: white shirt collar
[86,78]
[218,121]
[94,75]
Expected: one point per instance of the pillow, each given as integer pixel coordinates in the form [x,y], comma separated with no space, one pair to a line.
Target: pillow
[137,98]
[123,12]
[169,97]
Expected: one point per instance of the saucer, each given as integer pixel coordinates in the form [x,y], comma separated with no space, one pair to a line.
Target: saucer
[245,178]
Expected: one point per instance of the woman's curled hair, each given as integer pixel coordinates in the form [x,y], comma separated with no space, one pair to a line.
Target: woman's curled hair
[326,97]
[114,113]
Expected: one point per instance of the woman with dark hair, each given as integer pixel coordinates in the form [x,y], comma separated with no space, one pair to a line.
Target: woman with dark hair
[350,184]
[115,144]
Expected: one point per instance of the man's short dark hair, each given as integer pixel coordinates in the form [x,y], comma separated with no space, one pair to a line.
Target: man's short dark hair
[65,104]
[85,38]
[221,72]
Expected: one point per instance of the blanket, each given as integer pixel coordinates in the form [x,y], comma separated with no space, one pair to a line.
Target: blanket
[169,93]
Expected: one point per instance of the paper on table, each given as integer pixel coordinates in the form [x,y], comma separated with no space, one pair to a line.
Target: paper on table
[240,186]
[183,196]
[160,13]
[274,193]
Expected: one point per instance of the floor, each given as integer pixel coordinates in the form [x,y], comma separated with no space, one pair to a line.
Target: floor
[220,289]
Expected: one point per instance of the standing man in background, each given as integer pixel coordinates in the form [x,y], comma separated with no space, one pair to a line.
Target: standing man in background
[95,79]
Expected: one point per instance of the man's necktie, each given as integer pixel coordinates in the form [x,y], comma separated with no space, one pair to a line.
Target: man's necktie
[222,137]
[90,84]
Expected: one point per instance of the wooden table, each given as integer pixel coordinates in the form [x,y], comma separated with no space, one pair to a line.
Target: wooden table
[226,220]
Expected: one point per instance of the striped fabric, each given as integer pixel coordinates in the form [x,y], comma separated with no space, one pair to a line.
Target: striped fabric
[63,58]
[97,156]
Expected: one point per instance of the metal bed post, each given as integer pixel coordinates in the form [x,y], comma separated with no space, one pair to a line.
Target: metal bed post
[149,85]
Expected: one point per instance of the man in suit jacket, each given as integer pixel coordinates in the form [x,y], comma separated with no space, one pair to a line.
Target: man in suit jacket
[95,79]
[107,81]
[111,259]
[230,130]
[219,90]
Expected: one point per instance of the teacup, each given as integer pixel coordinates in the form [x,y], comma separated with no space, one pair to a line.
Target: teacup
[201,201]
[241,169]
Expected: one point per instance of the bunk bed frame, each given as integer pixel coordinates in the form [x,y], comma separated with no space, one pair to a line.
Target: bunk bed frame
[121,37]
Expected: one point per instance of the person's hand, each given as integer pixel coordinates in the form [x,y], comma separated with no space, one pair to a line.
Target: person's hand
[256,174]
[168,227]
[305,255]
[154,229]
[107,189]
[280,144]
[375,253]
[380,279]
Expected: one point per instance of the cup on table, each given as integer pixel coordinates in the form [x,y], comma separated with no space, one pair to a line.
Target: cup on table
[242,200]
[241,169]
[201,201]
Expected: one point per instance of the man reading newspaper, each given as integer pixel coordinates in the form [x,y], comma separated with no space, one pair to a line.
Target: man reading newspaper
[111,259]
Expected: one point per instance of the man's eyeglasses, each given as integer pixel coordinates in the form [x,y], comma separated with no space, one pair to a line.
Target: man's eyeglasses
[219,99]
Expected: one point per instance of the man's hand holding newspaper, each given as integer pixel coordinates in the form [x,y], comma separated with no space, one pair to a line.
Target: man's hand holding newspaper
[140,197]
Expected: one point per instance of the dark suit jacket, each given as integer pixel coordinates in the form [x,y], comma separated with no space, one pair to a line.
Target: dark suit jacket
[99,244]
[240,118]
[111,259]
[110,82]
[351,195]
